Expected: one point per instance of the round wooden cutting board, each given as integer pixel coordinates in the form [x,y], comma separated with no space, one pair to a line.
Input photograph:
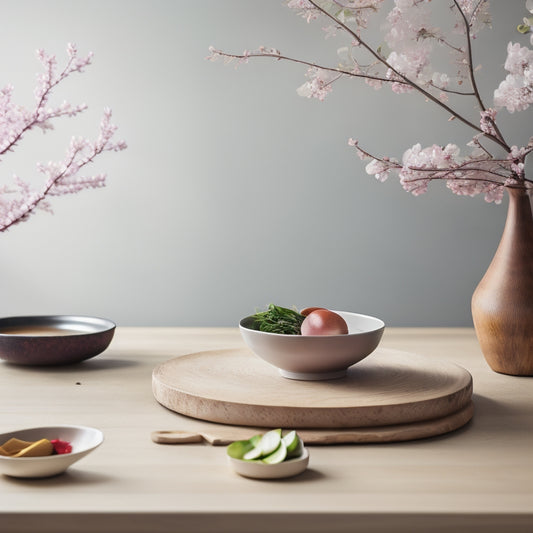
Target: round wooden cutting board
[236,387]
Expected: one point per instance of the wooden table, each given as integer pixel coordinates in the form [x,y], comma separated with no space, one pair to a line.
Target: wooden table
[479,478]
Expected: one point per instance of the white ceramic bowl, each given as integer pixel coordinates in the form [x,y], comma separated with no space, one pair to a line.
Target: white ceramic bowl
[257,470]
[316,357]
[83,440]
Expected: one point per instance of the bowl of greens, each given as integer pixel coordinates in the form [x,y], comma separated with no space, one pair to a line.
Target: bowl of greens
[311,344]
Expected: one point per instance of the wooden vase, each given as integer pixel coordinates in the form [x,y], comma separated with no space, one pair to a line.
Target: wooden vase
[502,304]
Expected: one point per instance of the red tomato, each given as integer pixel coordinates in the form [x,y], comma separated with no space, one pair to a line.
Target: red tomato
[61,446]
[324,322]
[309,310]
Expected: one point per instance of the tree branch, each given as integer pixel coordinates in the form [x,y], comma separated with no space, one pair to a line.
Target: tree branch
[472,75]
[411,83]
[303,62]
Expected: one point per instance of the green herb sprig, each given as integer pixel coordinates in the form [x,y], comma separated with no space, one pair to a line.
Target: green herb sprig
[278,320]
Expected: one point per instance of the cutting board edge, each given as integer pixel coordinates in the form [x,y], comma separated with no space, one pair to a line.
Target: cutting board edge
[216,411]
[220,434]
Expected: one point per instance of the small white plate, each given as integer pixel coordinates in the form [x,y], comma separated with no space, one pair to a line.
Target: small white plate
[83,440]
[258,470]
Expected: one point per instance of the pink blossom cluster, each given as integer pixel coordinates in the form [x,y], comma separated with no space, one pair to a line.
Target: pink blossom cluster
[515,92]
[319,84]
[408,37]
[20,200]
[346,11]
[487,121]
[464,176]
[477,13]
[474,174]
[408,66]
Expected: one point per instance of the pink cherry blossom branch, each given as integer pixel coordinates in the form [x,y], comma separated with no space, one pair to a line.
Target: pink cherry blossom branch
[471,167]
[40,116]
[451,91]
[407,68]
[470,61]
[405,79]
[214,53]
[398,77]
[440,173]
[62,176]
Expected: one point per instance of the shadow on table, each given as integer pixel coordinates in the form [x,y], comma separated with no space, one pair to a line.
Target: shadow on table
[90,365]
[486,409]
[309,475]
[484,405]
[70,477]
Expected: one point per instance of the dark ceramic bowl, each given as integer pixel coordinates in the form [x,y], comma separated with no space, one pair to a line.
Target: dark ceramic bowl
[53,340]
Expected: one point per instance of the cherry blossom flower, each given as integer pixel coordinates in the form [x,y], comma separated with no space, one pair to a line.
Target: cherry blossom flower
[516,91]
[488,120]
[380,169]
[319,84]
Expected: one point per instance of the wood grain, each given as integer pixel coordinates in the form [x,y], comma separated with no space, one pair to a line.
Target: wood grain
[502,304]
[235,387]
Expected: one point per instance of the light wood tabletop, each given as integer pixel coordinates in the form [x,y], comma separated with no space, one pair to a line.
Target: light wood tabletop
[478,478]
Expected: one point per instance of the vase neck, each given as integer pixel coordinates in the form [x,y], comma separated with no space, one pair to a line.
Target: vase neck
[517,240]
[519,210]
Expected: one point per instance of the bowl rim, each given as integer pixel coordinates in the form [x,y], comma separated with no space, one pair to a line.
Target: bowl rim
[54,457]
[380,326]
[104,325]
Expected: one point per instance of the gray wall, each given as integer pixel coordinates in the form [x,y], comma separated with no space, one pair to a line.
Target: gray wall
[234,191]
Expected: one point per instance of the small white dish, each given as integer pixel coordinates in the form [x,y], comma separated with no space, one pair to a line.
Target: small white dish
[316,357]
[259,470]
[83,440]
